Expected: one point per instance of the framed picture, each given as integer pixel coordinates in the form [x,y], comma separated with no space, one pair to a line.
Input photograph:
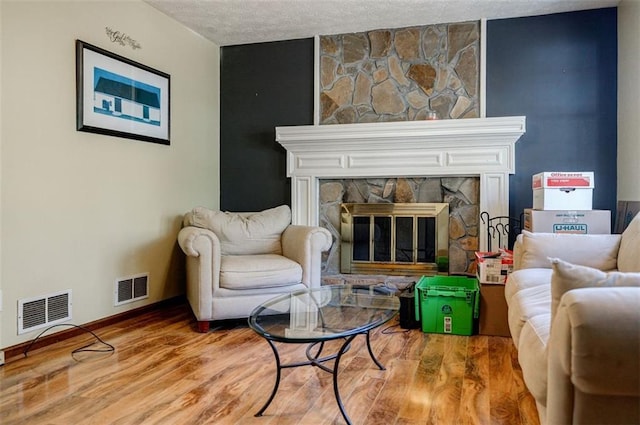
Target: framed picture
[119,97]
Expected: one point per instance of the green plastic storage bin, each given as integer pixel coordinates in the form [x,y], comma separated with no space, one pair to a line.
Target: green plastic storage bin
[447,304]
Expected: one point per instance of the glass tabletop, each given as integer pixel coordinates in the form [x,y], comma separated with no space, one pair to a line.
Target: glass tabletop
[324,313]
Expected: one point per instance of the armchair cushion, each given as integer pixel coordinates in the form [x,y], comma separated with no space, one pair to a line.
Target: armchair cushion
[258,271]
[567,276]
[244,233]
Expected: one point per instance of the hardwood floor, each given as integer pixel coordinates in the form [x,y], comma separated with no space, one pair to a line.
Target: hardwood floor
[164,372]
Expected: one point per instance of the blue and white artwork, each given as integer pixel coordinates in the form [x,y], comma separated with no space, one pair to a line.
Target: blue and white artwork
[122,97]
[118,97]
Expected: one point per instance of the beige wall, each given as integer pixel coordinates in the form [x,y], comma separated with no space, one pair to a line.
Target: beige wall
[628,100]
[80,210]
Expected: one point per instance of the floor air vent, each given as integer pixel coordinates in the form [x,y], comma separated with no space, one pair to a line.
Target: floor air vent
[131,288]
[46,310]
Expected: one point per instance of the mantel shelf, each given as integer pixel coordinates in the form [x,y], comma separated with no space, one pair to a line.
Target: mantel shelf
[402,135]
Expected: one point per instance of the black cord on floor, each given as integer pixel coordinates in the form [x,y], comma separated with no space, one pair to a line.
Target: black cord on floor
[85,348]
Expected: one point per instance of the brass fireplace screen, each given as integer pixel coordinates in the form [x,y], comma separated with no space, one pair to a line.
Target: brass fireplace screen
[394,238]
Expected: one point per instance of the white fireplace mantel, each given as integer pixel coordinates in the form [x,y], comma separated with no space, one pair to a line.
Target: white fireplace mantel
[482,147]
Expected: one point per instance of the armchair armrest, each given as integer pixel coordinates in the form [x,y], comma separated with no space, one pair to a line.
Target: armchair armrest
[593,352]
[202,248]
[196,240]
[304,245]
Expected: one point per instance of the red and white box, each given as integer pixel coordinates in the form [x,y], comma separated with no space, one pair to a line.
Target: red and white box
[558,190]
[494,267]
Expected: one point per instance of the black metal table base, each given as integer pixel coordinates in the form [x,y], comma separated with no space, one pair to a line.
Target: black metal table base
[316,360]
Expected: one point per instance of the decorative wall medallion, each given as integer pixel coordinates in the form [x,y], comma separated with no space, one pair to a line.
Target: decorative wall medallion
[122,39]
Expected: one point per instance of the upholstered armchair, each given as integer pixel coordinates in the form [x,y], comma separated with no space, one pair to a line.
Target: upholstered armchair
[236,261]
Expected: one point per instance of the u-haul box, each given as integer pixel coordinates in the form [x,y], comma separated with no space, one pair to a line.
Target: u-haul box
[568,221]
[557,190]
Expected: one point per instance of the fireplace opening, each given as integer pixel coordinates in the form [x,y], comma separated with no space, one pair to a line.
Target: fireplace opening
[394,238]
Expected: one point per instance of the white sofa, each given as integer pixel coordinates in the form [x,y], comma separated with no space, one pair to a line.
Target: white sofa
[236,261]
[574,316]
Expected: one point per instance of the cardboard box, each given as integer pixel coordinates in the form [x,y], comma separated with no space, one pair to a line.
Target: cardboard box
[563,190]
[493,311]
[494,267]
[569,221]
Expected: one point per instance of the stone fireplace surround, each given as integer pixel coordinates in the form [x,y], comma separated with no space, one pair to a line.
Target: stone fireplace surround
[483,147]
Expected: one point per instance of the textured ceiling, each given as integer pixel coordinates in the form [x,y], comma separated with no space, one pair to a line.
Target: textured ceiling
[230,22]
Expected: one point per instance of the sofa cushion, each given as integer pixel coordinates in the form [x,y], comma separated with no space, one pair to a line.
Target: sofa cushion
[524,305]
[526,278]
[532,355]
[258,271]
[597,251]
[629,254]
[567,276]
[244,233]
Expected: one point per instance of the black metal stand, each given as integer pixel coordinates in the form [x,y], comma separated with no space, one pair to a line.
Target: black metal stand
[503,228]
[316,360]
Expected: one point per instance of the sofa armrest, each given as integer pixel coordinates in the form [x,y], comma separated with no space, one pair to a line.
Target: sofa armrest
[593,354]
[304,245]
[202,248]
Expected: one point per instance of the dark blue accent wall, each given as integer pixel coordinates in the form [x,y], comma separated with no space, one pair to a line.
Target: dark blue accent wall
[557,70]
[560,71]
[262,86]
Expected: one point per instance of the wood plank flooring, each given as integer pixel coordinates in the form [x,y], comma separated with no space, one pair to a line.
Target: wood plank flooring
[164,372]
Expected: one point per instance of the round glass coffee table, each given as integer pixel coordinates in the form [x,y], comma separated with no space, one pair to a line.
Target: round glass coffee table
[318,315]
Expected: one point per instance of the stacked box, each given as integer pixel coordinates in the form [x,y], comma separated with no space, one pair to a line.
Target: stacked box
[447,304]
[493,311]
[558,190]
[494,267]
[580,222]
